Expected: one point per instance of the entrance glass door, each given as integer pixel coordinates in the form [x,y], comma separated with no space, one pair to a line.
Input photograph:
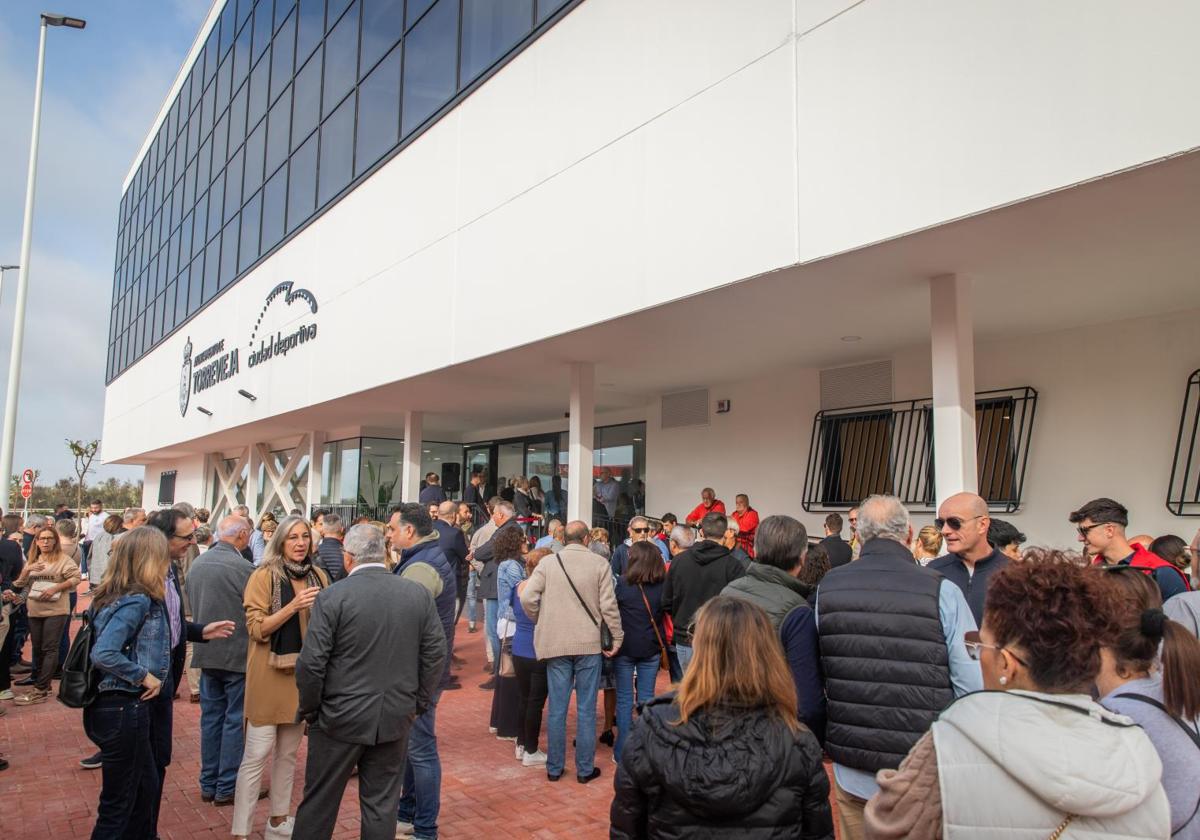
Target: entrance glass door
[478,459]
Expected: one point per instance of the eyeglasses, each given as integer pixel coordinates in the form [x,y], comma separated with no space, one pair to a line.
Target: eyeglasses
[45,539]
[187,538]
[640,530]
[975,645]
[955,522]
[1084,529]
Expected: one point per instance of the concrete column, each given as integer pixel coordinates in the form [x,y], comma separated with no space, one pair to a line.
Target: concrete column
[952,342]
[316,466]
[581,436]
[253,485]
[410,480]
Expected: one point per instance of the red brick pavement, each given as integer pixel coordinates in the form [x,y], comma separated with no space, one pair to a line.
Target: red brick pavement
[481,781]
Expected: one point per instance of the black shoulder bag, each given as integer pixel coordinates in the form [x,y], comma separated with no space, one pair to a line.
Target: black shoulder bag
[606,639]
[79,685]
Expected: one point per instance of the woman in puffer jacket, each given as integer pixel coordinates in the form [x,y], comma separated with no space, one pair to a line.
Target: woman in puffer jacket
[1033,757]
[724,756]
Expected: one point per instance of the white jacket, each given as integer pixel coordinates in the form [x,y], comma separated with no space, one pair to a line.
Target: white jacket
[1015,764]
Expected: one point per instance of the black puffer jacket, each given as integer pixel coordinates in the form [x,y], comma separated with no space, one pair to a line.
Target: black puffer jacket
[735,774]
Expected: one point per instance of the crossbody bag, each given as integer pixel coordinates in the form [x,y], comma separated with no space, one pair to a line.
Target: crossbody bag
[664,664]
[606,639]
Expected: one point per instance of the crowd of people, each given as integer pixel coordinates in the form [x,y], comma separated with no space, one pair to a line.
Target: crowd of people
[932,681]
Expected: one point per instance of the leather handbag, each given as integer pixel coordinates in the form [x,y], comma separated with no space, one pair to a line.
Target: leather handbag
[664,663]
[80,681]
[507,667]
[606,638]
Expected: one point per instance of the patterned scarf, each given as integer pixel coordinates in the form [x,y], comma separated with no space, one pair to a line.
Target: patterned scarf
[287,640]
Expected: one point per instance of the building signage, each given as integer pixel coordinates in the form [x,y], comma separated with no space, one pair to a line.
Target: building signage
[216,364]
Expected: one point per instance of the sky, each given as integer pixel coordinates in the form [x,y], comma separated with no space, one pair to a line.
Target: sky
[103,88]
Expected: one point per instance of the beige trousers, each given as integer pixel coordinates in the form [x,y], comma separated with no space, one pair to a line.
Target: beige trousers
[261,742]
[850,814]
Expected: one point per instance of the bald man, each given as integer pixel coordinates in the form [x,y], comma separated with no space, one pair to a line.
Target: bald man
[970,560]
[454,546]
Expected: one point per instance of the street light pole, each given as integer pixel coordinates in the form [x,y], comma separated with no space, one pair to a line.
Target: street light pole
[18,336]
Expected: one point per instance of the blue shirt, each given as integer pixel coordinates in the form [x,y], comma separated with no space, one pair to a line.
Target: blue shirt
[548,542]
[258,546]
[965,675]
[522,640]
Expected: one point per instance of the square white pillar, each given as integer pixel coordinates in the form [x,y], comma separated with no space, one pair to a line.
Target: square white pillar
[253,485]
[581,435]
[316,467]
[410,480]
[952,344]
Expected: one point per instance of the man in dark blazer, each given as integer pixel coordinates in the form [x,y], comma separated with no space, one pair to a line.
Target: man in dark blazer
[372,658]
[838,549]
[454,546]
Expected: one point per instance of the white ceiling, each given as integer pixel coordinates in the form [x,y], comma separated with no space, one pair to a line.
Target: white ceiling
[1119,247]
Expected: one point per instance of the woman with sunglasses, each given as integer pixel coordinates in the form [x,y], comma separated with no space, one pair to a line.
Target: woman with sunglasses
[724,756]
[1033,756]
[47,579]
[639,597]
[1149,674]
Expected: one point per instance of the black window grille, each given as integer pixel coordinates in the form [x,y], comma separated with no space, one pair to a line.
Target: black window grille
[1183,492]
[166,487]
[888,448]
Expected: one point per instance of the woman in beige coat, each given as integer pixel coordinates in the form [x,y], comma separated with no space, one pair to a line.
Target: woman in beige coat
[278,599]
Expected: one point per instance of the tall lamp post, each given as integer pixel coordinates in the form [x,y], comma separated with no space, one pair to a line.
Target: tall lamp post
[18,335]
[4,268]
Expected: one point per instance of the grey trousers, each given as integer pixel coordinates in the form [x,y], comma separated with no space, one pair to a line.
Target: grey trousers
[380,776]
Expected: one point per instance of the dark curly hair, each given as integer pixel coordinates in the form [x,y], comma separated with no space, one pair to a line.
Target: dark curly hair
[506,544]
[1057,616]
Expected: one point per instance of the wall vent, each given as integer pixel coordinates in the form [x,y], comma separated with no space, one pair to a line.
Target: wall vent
[867,384]
[686,408]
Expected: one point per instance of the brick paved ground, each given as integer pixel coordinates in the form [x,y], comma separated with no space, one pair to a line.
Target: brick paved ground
[481,780]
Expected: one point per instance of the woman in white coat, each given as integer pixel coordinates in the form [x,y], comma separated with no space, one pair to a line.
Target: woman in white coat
[1033,757]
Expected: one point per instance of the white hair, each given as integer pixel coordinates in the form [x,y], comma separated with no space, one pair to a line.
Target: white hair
[683,536]
[232,526]
[731,524]
[364,543]
[883,517]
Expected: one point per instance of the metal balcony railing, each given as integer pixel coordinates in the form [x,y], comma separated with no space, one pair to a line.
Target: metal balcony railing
[888,448]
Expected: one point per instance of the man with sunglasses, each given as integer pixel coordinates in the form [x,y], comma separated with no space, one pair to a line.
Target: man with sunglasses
[639,531]
[970,560]
[1101,527]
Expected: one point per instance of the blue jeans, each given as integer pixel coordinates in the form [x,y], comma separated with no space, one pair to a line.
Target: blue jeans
[472,596]
[646,671]
[561,673]
[119,724]
[221,696]
[421,799]
[491,611]
[684,654]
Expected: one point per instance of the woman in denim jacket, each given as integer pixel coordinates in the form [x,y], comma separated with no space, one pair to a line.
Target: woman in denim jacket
[132,653]
[508,543]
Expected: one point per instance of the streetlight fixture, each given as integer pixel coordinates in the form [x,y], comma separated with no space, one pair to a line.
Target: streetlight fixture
[4,268]
[18,336]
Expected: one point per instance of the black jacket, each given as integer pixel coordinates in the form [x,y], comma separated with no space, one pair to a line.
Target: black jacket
[372,657]
[838,549]
[454,546]
[486,554]
[329,556]
[736,774]
[951,567]
[695,576]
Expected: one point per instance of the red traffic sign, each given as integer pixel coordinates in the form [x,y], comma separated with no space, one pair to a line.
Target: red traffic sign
[26,491]
[27,477]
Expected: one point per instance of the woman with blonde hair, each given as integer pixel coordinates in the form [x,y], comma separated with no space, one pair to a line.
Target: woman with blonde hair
[724,756]
[47,580]
[278,601]
[927,545]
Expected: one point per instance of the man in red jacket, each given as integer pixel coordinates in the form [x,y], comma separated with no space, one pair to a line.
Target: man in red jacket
[1101,525]
[709,503]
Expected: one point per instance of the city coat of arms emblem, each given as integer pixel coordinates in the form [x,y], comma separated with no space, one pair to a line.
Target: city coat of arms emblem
[185,379]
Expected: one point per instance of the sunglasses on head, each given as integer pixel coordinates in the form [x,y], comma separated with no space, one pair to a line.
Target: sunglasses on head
[955,522]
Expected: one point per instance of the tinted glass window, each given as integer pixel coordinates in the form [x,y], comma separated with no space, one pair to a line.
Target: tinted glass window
[548,7]
[274,208]
[341,60]
[430,54]
[302,184]
[262,27]
[279,121]
[311,28]
[306,111]
[216,206]
[255,146]
[337,151]
[333,10]
[219,141]
[378,112]
[251,216]
[259,90]
[233,186]
[382,25]
[223,84]
[227,26]
[490,28]
[282,8]
[229,250]
[416,8]
[212,268]
[281,57]
[237,119]
[241,56]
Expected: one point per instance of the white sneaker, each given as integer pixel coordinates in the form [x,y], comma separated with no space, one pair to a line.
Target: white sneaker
[284,829]
[491,730]
[7,694]
[534,759]
[519,752]
[404,830]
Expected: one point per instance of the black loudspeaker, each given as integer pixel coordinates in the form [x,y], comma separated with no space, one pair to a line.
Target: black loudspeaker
[451,472]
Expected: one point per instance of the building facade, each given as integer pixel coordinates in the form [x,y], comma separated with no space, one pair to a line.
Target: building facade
[803,250]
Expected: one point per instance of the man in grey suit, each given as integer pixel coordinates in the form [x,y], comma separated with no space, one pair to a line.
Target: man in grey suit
[371,660]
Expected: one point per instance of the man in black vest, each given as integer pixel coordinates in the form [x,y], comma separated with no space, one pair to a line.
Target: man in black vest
[892,652]
[970,560]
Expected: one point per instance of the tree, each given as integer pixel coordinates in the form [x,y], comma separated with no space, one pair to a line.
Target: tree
[84,454]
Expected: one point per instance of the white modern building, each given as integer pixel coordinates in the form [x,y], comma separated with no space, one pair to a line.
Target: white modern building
[800,249]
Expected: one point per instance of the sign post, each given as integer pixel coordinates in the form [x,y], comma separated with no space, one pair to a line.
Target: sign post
[26,489]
